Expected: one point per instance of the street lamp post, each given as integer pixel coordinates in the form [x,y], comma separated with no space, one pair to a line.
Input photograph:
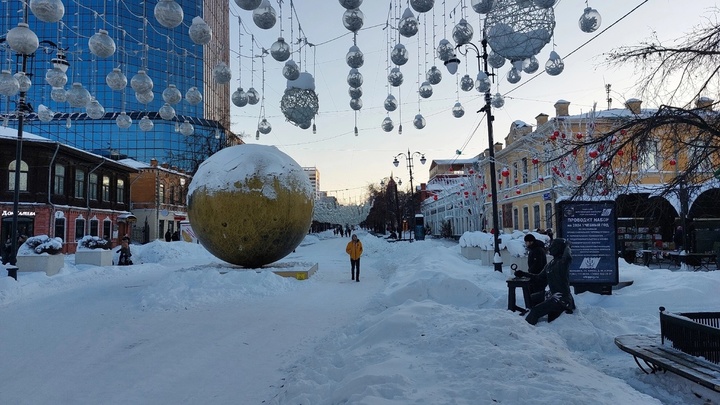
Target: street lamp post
[452,65]
[409,161]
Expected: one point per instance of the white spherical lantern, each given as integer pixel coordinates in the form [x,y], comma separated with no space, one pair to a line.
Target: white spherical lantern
[78,96]
[445,50]
[123,121]
[239,97]
[395,77]
[355,92]
[497,101]
[116,79]
[466,83]
[94,109]
[356,104]
[517,30]
[22,39]
[167,112]
[248,5]
[145,98]
[101,45]
[391,103]
[482,6]
[146,124]
[58,94]
[399,55]
[264,15]
[45,114]
[264,127]
[419,121]
[24,82]
[530,65]
[299,103]
[222,73]
[408,25]
[425,90]
[555,65]
[56,77]
[291,70]
[280,50]
[353,19]
[350,4]
[589,20]
[186,128]
[200,33]
[495,60]
[458,110]
[354,78]
[354,58]
[462,33]
[168,13]
[422,6]
[253,96]
[141,82]
[387,124]
[49,11]
[193,96]
[171,94]
[434,75]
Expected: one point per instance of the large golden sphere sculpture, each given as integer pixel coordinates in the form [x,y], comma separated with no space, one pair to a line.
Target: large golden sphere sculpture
[250,205]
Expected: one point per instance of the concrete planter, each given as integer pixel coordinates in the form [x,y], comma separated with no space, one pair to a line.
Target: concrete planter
[472,252]
[95,257]
[50,264]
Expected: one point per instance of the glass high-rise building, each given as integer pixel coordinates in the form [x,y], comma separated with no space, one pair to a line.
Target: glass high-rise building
[167,55]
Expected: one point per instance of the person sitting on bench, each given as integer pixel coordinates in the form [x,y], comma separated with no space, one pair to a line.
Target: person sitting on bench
[536,262]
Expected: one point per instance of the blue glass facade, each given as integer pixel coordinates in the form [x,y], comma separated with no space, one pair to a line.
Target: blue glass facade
[169,57]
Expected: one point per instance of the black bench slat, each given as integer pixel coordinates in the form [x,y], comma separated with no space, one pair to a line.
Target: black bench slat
[649,348]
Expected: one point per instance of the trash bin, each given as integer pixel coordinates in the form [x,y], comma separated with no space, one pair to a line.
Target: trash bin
[419,227]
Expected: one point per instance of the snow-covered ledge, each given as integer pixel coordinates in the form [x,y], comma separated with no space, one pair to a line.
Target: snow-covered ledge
[95,257]
[480,245]
[50,264]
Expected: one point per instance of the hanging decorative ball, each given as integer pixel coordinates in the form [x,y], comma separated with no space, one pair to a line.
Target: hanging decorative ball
[462,33]
[123,121]
[168,13]
[45,114]
[171,94]
[239,97]
[355,58]
[399,55]
[280,50]
[354,78]
[56,77]
[530,65]
[200,33]
[395,77]
[222,73]
[355,92]
[387,125]
[466,83]
[356,104]
[299,102]
[101,44]
[253,96]
[497,101]
[141,82]
[264,15]
[419,121]
[391,103]
[408,25]
[510,33]
[482,6]
[353,19]
[495,60]
[304,125]
[434,75]
[94,109]
[193,96]
[58,94]
[482,83]
[445,50]
[544,3]
[49,11]
[264,127]
[425,90]
[116,80]
[458,110]
[349,4]
[589,20]
[513,75]
[78,96]
[146,124]
[422,6]
[167,112]
[291,70]
[186,128]
[248,5]
[145,98]
[22,39]
[24,82]
[555,65]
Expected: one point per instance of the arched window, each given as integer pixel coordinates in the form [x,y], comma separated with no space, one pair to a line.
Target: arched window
[23,176]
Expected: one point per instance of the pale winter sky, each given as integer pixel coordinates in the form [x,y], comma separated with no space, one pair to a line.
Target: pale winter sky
[424,325]
[348,163]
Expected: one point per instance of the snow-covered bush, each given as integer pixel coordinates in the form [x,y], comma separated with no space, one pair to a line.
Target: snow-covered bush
[94,242]
[41,244]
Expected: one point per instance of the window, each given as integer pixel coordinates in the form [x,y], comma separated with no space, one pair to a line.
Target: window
[106,188]
[161,194]
[79,183]
[23,186]
[548,216]
[161,228]
[172,195]
[94,225]
[536,216]
[524,170]
[79,228]
[651,157]
[537,171]
[93,186]
[526,218]
[60,228]
[516,173]
[121,191]
[516,219]
[107,229]
[59,180]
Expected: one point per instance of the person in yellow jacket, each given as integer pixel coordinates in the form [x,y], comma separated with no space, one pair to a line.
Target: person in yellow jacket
[354,249]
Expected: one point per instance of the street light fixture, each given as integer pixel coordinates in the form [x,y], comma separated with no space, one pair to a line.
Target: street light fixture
[452,67]
[409,160]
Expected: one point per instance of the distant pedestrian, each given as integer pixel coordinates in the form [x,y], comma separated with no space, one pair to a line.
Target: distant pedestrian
[176,236]
[679,238]
[354,249]
[549,233]
[124,252]
[168,236]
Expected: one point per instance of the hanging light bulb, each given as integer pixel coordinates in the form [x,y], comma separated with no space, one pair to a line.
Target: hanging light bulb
[222,73]
[555,65]
[58,94]
[387,124]
[78,96]
[264,127]
[141,82]
[186,128]
[116,80]
[248,5]
[530,65]
[353,19]
[45,114]
[498,101]
[49,11]
[200,33]
[356,104]
[146,124]
[514,73]
[168,13]
[419,121]
[68,123]
[22,39]
[354,58]
[280,50]
[425,90]
[391,103]
[291,70]
[434,75]
[56,77]
[167,112]
[123,121]
[408,25]
[239,97]
[264,15]
[253,96]
[466,83]
[589,20]
[445,50]
[171,94]
[24,82]
[101,44]
[462,33]
[399,55]
[395,77]
[458,110]
[193,96]
[94,109]
[355,78]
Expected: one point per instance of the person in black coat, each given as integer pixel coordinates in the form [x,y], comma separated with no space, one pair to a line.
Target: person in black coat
[557,299]
[536,262]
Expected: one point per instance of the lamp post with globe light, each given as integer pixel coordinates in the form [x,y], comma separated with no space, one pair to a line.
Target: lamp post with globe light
[409,160]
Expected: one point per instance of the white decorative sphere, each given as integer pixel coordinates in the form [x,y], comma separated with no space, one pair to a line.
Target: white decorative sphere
[350,4]
[248,5]
[408,25]
[399,55]
[146,124]
[495,60]
[419,121]
[355,58]
[253,96]
[264,15]
[555,65]
[101,44]
[355,78]
[116,80]
[264,126]
[531,65]
[78,96]
[445,50]
[395,77]
[458,110]
[387,125]
[391,103]
[22,39]
[434,75]
[422,6]
[123,121]
[356,104]
[497,101]
[200,33]
[590,20]
[141,82]
[167,112]
[482,6]
[49,11]
[291,70]
[462,33]
[222,73]
[94,109]
[280,50]
[239,97]
[482,83]
[56,77]
[353,19]
[145,98]
[193,96]
[24,82]
[45,114]
[168,13]
[355,92]
[58,94]
[425,90]
[186,128]
[466,83]
[171,94]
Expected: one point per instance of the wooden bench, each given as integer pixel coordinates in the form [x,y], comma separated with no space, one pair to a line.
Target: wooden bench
[692,350]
